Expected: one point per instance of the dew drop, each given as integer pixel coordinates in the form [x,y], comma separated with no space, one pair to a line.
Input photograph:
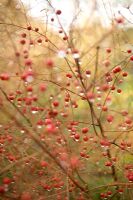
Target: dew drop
[61,54]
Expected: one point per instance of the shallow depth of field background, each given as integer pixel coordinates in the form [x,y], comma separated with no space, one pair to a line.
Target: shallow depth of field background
[100,33]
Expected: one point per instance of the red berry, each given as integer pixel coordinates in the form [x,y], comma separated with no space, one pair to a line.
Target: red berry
[49,63]
[29,88]
[23,35]
[42,87]
[85,138]
[65,38]
[108,164]
[4,77]
[110,118]
[129,51]
[6,180]
[82,154]
[128,121]
[119,90]
[102,195]
[85,130]
[130,176]
[120,20]
[131,58]
[117,69]
[17,54]
[22,41]
[91,96]
[36,29]
[50,128]
[104,108]
[120,191]
[88,72]
[60,31]
[105,143]
[58,12]
[69,75]
[112,87]
[39,40]
[29,28]
[56,103]
[2,189]
[28,62]
[124,74]
[109,193]
[77,136]
[44,164]
[26,196]
[106,63]
[108,50]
